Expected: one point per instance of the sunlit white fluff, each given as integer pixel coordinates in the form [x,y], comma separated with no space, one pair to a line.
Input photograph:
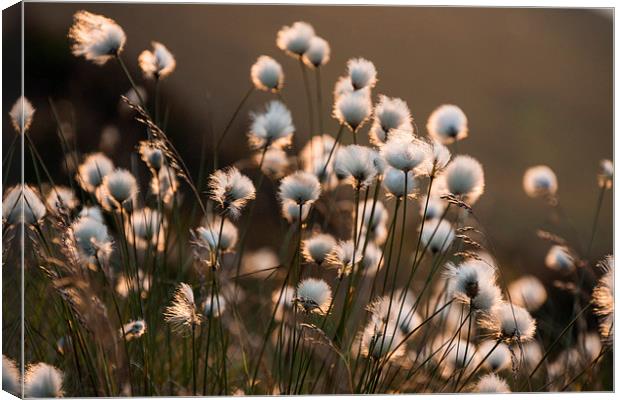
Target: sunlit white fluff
[134,329]
[387,309]
[21,114]
[95,37]
[295,39]
[92,170]
[356,164]
[435,208]
[11,381]
[290,211]
[560,258]
[158,63]
[300,188]
[492,383]
[540,181]
[378,342]
[231,190]
[314,158]
[181,314]
[353,109]
[397,182]
[318,52]
[118,189]
[151,155]
[345,256]
[61,197]
[22,203]
[93,212]
[273,127]
[275,162]
[473,283]
[437,235]
[390,114]
[438,159]
[528,292]
[317,248]
[463,178]
[509,322]
[499,359]
[372,221]
[43,380]
[266,74]
[92,239]
[407,153]
[606,174]
[165,184]
[209,235]
[362,73]
[145,228]
[603,298]
[447,124]
[313,296]
[214,306]
[372,261]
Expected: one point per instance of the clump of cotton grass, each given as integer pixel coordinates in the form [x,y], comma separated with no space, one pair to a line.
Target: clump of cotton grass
[390,115]
[219,235]
[434,208]
[151,154]
[492,383]
[61,197]
[181,314]
[10,376]
[134,329]
[606,174]
[158,63]
[295,39]
[357,164]
[291,211]
[353,109]
[22,114]
[437,235]
[560,258]
[92,171]
[22,203]
[509,323]
[266,74]
[447,124]
[463,178]
[407,153]
[372,222]
[144,228]
[362,73]
[299,188]
[499,356]
[118,190]
[274,162]
[603,298]
[318,52]
[473,283]
[91,239]
[540,181]
[313,296]
[165,184]
[344,256]
[317,248]
[379,341]
[399,183]
[231,190]
[43,380]
[95,37]
[273,127]
[528,292]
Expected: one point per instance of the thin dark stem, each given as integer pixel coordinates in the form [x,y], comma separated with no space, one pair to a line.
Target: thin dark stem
[218,144]
[304,73]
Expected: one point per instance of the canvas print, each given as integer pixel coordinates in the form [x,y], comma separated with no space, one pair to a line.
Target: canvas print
[219,199]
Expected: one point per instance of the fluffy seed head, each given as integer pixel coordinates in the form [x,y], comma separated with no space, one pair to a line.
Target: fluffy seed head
[181,313]
[92,239]
[295,39]
[447,124]
[118,189]
[357,164]
[151,155]
[313,296]
[463,178]
[509,322]
[10,376]
[560,258]
[396,184]
[61,197]
[231,190]
[214,307]
[134,329]
[407,153]
[603,298]
[473,283]
[390,114]
[528,292]
[275,162]
[362,73]
[92,212]
[344,256]
[437,235]
[435,208]
[318,52]
[21,114]
[22,199]
[499,358]
[290,211]
[492,383]
[210,238]
[314,159]
[317,248]
[266,74]
[353,109]
[300,188]
[540,181]
[92,171]
[145,227]
[606,174]
[158,63]
[165,184]
[274,127]
[43,380]
[438,160]
[379,343]
[95,37]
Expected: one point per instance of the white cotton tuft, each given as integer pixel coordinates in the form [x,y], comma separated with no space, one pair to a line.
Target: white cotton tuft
[21,114]
[266,74]
[317,248]
[357,164]
[447,124]
[95,37]
[313,296]
[353,109]
[528,292]
[158,63]
[560,258]
[231,190]
[437,235]
[362,73]
[295,39]
[274,127]
[318,52]
[43,380]
[540,181]
[22,203]
[463,178]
